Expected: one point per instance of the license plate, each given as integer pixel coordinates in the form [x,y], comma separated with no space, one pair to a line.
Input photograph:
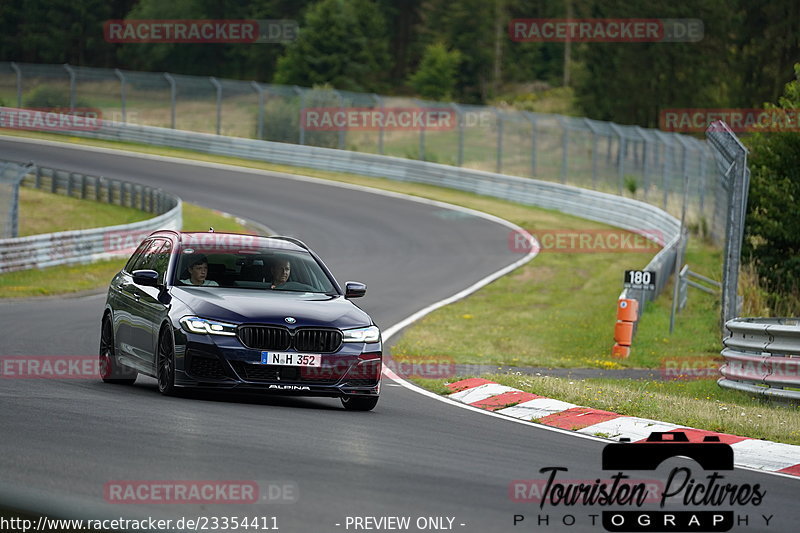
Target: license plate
[291,359]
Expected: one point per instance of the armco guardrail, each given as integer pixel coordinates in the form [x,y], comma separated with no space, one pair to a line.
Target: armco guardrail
[611,209]
[594,154]
[83,246]
[762,356]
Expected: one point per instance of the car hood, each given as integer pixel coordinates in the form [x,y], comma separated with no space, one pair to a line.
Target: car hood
[271,307]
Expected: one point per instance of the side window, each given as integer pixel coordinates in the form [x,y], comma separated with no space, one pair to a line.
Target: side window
[146,260]
[130,265]
[161,260]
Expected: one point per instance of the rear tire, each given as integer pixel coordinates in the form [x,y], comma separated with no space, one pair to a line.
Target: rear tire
[111,371]
[166,364]
[359,403]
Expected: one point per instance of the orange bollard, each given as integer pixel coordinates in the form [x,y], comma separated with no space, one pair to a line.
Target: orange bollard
[623,333]
[628,310]
[627,315]
[621,352]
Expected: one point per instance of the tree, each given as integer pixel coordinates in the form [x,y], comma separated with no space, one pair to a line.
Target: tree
[466,26]
[772,228]
[341,42]
[632,82]
[54,31]
[435,78]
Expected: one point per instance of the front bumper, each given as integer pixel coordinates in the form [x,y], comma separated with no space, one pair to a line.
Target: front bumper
[220,362]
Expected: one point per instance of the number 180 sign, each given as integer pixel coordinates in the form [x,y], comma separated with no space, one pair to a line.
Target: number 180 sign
[643,280]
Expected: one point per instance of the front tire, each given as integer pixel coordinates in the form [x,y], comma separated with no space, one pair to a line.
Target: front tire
[111,371]
[166,364]
[359,403]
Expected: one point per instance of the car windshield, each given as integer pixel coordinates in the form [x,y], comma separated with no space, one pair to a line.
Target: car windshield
[254,268]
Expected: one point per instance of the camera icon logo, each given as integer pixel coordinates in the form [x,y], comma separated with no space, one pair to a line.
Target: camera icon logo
[711,454]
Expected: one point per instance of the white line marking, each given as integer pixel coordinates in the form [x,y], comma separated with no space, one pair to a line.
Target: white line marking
[766,455]
[536,408]
[481,392]
[628,426]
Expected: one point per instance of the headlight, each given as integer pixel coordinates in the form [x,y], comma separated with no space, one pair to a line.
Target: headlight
[368,334]
[195,324]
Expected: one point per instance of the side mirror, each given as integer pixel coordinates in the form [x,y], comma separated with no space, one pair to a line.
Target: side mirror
[354,289]
[147,278]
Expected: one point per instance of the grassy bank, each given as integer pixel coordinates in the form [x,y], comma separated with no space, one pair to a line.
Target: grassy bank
[36,208]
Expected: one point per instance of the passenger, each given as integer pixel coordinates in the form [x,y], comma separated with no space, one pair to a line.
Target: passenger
[198,270]
[280,271]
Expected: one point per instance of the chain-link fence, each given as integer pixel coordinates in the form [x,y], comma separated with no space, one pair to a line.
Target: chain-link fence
[625,160]
[734,182]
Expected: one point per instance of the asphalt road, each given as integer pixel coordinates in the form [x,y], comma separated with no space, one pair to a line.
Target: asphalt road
[412,456]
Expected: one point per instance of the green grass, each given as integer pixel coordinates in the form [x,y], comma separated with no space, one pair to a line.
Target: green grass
[43,212]
[83,277]
[700,403]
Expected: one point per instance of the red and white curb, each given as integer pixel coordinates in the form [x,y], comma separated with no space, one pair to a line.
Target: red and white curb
[485,394]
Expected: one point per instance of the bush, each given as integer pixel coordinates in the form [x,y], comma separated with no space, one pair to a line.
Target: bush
[772,228]
[50,97]
[436,77]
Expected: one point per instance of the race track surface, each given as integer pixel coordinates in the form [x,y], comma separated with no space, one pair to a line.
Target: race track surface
[412,456]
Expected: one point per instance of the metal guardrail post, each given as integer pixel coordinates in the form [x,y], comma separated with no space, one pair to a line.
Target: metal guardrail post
[18,72]
[621,151]
[122,94]
[173,97]
[498,117]
[460,119]
[668,145]
[421,151]
[645,145]
[564,149]
[703,160]
[592,130]
[378,100]
[72,77]
[260,119]
[342,131]
[218,87]
[679,255]
[534,134]
[302,94]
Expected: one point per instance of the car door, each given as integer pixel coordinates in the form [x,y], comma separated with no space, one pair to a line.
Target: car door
[123,297]
[137,341]
[154,304]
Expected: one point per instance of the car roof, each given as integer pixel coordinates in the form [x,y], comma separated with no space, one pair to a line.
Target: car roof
[231,241]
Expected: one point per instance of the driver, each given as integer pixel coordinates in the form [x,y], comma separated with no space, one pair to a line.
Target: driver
[280,271]
[198,270]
